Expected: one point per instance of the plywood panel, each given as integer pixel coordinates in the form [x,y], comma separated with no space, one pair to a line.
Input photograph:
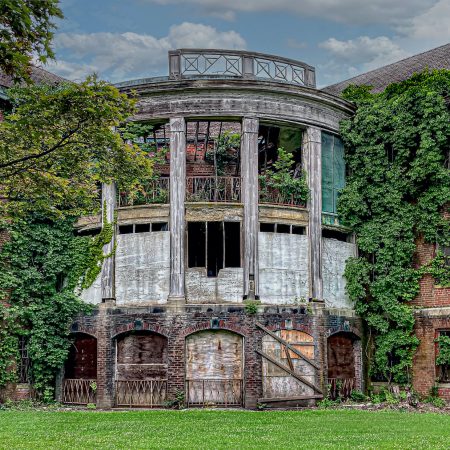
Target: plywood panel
[276,382]
[82,360]
[341,359]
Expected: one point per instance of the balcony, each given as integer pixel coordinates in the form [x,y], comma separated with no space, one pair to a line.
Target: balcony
[200,63]
[213,189]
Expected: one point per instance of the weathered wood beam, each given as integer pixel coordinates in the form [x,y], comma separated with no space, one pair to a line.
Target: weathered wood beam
[289,371]
[289,399]
[177,196]
[107,275]
[289,346]
[312,146]
[250,197]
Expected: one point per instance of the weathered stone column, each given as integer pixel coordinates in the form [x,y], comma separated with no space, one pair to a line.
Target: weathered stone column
[177,196]
[250,197]
[108,202]
[312,147]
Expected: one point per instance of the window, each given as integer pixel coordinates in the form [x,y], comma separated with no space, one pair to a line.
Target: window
[214,245]
[333,171]
[335,234]
[443,356]
[143,227]
[281,228]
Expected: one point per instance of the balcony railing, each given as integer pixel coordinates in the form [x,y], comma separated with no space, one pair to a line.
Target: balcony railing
[215,392]
[273,196]
[213,189]
[77,391]
[196,63]
[155,191]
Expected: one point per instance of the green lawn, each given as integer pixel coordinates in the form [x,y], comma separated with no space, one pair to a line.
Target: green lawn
[222,429]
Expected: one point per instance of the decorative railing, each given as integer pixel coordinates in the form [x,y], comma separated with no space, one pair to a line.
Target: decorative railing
[214,392]
[213,189]
[141,393]
[155,191]
[77,391]
[340,387]
[191,63]
[273,196]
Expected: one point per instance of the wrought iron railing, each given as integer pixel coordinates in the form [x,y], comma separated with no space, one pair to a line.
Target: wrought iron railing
[141,393]
[215,392]
[192,63]
[77,391]
[340,387]
[273,196]
[213,189]
[155,191]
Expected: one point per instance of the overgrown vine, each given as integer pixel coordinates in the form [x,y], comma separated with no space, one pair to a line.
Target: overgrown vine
[398,187]
[43,268]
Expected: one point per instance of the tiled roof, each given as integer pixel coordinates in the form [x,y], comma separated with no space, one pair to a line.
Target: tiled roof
[437,58]
[38,75]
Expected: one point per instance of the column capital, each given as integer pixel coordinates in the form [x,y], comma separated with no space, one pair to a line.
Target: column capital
[177,125]
[250,125]
[312,134]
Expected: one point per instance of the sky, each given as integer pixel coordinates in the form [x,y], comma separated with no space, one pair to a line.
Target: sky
[128,39]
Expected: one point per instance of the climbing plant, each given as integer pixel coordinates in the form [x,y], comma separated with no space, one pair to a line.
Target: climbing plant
[43,268]
[397,149]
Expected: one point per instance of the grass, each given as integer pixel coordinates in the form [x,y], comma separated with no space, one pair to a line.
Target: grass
[209,429]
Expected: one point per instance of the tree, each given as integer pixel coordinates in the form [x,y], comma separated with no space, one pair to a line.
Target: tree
[59,143]
[26,30]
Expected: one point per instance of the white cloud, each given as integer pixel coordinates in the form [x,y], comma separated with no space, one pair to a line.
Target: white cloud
[344,11]
[120,56]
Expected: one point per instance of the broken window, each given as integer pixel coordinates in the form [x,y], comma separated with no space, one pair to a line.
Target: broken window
[281,228]
[335,234]
[443,367]
[214,245]
[333,171]
[143,227]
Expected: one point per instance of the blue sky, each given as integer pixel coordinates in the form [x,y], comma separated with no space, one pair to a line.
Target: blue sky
[128,39]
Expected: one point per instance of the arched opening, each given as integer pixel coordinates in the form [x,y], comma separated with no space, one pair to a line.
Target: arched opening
[80,371]
[141,369]
[343,357]
[214,368]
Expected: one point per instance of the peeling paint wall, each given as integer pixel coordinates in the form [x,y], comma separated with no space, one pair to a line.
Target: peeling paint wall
[142,267]
[227,287]
[93,294]
[334,255]
[283,267]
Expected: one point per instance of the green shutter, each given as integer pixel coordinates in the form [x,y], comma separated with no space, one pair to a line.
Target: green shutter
[327,172]
[338,170]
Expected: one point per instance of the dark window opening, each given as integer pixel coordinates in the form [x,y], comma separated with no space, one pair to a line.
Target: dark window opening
[160,226]
[267,227]
[298,230]
[335,234]
[125,229]
[24,365]
[91,232]
[282,228]
[142,228]
[214,245]
[442,370]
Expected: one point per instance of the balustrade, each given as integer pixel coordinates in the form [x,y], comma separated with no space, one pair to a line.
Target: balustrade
[213,189]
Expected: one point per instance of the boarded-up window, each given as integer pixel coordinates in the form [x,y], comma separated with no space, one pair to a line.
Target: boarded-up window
[141,356]
[333,171]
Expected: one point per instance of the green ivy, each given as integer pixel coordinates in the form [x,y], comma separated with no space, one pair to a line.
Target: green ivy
[43,268]
[397,187]
[443,357]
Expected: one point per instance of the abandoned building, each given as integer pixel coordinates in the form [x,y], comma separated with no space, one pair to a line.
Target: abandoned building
[223,288]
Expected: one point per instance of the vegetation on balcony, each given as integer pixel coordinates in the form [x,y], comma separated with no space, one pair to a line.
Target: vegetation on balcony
[282,185]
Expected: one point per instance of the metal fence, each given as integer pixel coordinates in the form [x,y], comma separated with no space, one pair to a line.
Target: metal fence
[141,393]
[215,392]
[213,189]
[192,63]
[273,196]
[79,391]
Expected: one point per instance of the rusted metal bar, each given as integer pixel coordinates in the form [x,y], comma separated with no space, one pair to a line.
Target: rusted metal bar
[289,399]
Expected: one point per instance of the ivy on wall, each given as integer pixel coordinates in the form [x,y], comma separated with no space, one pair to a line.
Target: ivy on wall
[398,185]
[43,267]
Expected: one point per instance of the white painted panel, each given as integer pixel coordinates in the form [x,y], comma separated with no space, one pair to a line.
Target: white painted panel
[283,267]
[142,267]
[334,255]
[227,287]
[93,294]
